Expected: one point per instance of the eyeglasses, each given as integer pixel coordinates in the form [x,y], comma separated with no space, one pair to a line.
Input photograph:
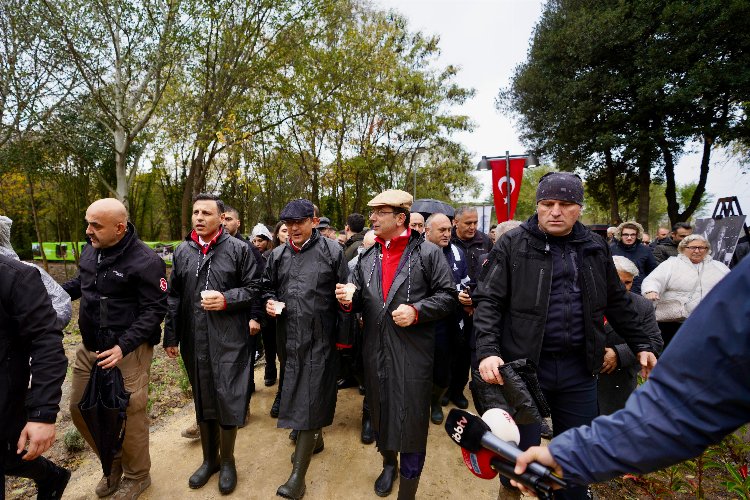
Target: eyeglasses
[295,222]
[380,213]
[697,249]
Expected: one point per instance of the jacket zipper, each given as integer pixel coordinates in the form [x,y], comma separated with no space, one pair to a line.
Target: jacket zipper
[539,286]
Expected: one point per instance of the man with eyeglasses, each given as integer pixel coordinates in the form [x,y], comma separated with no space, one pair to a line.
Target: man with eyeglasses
[628,237]
[403,284]
[299,285]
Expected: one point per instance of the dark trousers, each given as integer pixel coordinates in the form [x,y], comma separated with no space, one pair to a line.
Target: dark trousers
[461,357]
[571,393]
[668,330]
[441,368]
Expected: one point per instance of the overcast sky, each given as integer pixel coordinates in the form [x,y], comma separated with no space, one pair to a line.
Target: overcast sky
[487,39]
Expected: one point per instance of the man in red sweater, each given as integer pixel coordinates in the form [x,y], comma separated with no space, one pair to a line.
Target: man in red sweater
[403,284]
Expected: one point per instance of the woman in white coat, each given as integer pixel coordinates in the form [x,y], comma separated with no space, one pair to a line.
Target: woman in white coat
[679,283]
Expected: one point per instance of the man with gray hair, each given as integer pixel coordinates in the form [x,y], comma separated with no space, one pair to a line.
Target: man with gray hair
[474,244]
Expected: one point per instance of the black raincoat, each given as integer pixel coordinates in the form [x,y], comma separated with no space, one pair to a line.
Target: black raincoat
[215,345]
[398,360]
[310,323]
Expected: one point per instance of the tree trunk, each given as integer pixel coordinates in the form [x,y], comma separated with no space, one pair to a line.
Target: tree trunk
[121,165]
[614,206]
[36,222]
[644,194]
[671,189]
[701,187]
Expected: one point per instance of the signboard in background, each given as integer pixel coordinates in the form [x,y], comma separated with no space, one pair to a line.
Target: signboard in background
[722,234]
[485,218]
[63,250]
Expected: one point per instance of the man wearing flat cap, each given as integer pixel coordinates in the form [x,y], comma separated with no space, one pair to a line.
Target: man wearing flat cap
[403,284]
[298,286]
[544,293]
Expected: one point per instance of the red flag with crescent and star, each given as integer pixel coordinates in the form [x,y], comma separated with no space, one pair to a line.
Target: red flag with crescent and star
[504,189]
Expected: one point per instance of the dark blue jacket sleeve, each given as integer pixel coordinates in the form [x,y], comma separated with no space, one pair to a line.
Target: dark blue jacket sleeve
[698,393]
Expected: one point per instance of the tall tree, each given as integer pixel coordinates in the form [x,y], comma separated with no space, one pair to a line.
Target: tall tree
[124,52]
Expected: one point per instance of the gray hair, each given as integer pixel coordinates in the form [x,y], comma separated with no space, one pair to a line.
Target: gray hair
[5,224]
[506,226]
[689,239]
[464,209]
[625,265]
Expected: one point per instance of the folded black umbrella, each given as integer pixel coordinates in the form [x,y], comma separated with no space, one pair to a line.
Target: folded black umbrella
[104,404]
[520,393]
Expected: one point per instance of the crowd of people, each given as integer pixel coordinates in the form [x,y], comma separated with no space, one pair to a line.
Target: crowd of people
[410,307]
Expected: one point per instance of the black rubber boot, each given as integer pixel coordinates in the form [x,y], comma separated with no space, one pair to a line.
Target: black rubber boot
[367,436]
[319,446]
[407,488]
[295,486]
[384,482]
[50,479]
[227,470]
[210,445]
[293,435]
[436,409]
[276,404]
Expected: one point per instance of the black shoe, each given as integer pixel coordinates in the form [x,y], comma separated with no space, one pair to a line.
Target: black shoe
[384,482]
[460,400]
[444,400]
[276,404]
[436,410]
[367,436]
[210,445]
[293,435]
[269,377]
[361,390]
[347,382]
[50,478]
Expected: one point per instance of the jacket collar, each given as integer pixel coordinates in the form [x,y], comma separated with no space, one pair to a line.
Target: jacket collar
[306,245]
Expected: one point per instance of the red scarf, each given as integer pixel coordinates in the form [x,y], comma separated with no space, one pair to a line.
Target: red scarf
[391,258]
[205,248]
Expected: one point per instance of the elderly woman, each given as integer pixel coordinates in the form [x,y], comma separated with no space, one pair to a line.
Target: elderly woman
[679,283]
[619,373]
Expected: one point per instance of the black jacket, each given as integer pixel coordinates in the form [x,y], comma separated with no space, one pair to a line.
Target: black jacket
[215,345]
[353,243]
[640,255]
[27,330]
[306,282]
[474,248]
[664,250]
[615,388]
[133,278]
[398,360]
[513,296]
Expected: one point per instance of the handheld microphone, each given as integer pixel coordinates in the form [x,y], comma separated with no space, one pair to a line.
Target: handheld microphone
[472,433]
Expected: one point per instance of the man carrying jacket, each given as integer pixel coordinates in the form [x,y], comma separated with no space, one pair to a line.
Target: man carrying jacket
[121,281]
[210,295]
[403,284]
[544,295]
[298,284]
[29,330]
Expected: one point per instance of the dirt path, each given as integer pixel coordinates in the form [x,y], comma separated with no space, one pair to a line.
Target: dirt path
[345,469]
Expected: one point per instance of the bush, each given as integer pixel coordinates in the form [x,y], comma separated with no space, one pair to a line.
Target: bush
[73,441]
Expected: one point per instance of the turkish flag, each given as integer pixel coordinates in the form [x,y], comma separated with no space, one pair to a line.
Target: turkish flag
[504,189]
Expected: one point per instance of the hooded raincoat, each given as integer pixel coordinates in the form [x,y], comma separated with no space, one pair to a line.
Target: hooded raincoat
[215,345]
[398,360]
[305,280]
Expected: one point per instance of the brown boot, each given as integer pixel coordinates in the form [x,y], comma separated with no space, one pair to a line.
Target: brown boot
[192,432]
[108,484]
[130,489]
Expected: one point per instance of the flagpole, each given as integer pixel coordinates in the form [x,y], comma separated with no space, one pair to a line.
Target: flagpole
[507,183]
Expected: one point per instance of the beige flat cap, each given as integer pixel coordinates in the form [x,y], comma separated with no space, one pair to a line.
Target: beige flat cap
[392,198]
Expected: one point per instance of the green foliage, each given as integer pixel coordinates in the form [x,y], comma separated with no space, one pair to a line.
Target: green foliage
[73,440]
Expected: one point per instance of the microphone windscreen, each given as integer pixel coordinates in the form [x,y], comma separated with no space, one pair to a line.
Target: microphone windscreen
[480,463]
[502,425]
[466,429]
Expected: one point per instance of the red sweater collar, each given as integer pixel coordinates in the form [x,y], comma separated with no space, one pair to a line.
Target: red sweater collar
[211,242]
[398,243]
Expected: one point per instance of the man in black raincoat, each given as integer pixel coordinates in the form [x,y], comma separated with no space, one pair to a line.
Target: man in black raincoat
[299,287]
[403,284]
[211,291]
